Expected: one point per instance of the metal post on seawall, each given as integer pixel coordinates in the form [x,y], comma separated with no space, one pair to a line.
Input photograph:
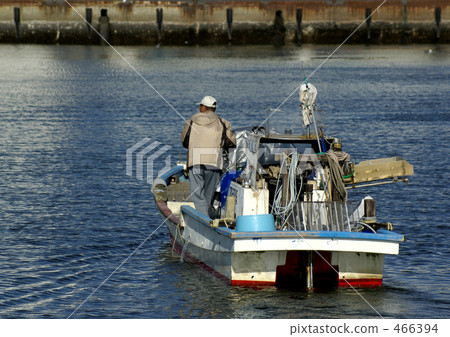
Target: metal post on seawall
[229,22]
[17,21]
[159,21]
[104,26]
[368,21]
[89,22]
[299,26]
[405,11]
[437,16]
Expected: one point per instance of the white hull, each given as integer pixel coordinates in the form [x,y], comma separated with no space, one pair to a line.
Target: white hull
[284,257]
[308,237]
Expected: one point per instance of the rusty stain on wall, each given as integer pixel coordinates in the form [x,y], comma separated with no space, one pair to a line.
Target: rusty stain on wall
[203,21]
[259,11]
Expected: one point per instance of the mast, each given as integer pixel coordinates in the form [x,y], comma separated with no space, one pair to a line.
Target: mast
[310,109]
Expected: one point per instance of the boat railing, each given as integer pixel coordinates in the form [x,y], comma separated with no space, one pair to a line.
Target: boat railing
[321,216]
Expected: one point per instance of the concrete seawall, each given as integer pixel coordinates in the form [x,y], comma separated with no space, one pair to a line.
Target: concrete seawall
[203,22]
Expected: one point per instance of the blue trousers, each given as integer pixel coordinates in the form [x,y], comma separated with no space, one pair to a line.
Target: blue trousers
[203,183]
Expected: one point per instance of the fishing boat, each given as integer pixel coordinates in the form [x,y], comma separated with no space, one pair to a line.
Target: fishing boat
[281,216]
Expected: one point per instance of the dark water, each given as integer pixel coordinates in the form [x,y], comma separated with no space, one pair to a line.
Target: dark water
[69,215]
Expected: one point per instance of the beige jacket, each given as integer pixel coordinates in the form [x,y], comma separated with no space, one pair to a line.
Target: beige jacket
[203,134]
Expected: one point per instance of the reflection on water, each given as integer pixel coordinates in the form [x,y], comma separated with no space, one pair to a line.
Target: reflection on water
[69,214]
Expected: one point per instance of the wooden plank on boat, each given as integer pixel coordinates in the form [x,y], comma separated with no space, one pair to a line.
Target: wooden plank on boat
[179,192]
[380,169]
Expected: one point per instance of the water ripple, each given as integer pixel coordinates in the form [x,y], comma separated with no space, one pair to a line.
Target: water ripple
[70,215]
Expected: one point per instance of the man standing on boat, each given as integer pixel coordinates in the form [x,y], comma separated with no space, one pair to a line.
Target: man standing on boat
[205,135]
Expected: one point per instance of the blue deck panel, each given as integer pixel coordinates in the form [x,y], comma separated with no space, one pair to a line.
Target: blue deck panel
[196,214]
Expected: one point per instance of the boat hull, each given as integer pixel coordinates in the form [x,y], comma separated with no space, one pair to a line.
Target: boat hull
[285,259]
[303,259]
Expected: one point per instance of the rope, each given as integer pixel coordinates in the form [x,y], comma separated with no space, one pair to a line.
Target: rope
[285,211]
[336,178]
[336,172]
[175,239]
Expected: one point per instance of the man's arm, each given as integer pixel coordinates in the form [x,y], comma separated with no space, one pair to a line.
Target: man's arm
[229,134]
[186,134]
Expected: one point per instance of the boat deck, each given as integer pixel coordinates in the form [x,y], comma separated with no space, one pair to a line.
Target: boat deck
[179,192]
[178,195]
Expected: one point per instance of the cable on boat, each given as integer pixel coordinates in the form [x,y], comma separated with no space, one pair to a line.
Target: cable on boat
[284,212]
[364,225]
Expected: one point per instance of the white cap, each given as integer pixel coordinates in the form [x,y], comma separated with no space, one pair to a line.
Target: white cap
[209,102]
